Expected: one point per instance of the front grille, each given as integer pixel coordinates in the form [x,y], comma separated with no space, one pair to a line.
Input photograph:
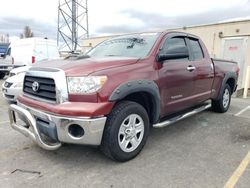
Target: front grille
[7,84]
[45,87]
[3,67]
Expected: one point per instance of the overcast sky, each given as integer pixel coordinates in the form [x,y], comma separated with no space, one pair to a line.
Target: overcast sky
[120,16]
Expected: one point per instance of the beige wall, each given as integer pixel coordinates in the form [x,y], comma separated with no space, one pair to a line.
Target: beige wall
[212,35]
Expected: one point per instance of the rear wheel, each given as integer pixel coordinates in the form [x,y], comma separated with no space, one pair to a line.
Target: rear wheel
[126,131]
[222,104]
[2,75]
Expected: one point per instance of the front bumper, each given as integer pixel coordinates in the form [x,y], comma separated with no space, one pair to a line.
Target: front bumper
[93,127]
[6,68]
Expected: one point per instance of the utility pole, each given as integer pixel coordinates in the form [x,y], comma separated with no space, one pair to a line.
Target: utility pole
[72,24]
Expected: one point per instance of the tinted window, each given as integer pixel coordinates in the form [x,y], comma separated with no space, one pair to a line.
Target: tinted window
[174,43]
[3,48]
[196,49]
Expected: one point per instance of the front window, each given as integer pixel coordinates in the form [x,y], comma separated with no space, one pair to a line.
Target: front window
[137,45]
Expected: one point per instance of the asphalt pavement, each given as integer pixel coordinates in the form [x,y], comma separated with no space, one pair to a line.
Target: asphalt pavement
[206,150]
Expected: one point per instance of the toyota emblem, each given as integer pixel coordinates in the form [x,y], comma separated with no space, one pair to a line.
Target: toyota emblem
[35,86]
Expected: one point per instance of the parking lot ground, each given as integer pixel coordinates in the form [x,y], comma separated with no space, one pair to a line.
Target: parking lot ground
[204,150]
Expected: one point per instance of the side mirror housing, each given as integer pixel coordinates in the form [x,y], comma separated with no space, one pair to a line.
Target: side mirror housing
[174,53]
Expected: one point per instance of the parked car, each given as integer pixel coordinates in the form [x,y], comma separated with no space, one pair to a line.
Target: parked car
[122,87]
[31,50]
[12,86]
[6,61]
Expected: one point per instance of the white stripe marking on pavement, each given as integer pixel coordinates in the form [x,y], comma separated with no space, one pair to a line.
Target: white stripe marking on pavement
[242,111]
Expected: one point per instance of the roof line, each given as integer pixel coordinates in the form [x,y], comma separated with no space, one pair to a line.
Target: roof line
[211,24]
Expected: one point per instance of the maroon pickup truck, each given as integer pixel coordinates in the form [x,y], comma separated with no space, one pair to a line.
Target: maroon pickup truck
[112,96]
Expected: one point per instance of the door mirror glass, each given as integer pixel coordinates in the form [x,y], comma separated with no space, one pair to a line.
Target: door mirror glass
[178,52]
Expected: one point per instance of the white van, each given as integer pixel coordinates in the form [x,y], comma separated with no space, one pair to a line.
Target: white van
[31,50]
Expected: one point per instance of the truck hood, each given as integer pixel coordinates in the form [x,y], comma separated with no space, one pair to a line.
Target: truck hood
[87,66]
[20,69]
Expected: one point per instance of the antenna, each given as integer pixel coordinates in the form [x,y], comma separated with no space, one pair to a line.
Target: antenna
[72,24]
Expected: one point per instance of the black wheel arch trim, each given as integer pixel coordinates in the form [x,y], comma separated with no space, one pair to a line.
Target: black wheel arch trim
[135,86]
[228,76]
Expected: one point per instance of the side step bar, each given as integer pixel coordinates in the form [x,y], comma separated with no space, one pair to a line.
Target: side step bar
[182,116]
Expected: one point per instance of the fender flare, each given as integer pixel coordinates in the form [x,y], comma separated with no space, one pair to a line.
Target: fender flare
[135,86]
[227,76]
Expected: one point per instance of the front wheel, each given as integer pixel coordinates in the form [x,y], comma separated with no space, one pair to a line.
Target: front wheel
[222,104]
[126,131]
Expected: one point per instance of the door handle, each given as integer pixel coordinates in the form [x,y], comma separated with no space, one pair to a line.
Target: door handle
[191,68]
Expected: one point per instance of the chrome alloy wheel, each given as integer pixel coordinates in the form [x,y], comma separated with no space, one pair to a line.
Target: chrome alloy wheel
[226,98]
[131,133]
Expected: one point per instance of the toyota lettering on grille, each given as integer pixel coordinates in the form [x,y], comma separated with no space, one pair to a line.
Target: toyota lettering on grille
[35,86]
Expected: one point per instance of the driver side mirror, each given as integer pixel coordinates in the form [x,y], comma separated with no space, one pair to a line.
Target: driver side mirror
[173,53]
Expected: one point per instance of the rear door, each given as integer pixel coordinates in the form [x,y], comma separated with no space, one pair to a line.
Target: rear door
[176,81]
[41,50]
[204,71]
[234,49]
[22,53]
[53,52]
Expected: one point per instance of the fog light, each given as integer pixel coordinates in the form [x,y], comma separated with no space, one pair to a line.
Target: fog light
[76,131]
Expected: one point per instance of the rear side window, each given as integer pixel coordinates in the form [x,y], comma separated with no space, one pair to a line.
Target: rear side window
[196,49]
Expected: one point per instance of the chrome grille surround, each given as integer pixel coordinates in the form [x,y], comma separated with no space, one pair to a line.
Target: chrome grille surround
[60,82]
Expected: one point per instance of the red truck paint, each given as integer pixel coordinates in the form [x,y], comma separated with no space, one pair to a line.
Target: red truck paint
[80,109]
[169,77]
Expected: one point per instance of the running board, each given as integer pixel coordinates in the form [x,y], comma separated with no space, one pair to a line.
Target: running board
[183,116]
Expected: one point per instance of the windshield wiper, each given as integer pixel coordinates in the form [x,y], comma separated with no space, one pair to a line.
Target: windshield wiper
[83,57]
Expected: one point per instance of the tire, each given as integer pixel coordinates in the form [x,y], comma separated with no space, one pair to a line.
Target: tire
[126,131]
[222,104]
[2,75]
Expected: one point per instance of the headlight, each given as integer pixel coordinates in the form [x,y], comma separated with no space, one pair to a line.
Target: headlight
[18,85]
[88,84]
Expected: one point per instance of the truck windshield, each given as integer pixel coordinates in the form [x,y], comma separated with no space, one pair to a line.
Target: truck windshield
[137,45]
[3,49]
